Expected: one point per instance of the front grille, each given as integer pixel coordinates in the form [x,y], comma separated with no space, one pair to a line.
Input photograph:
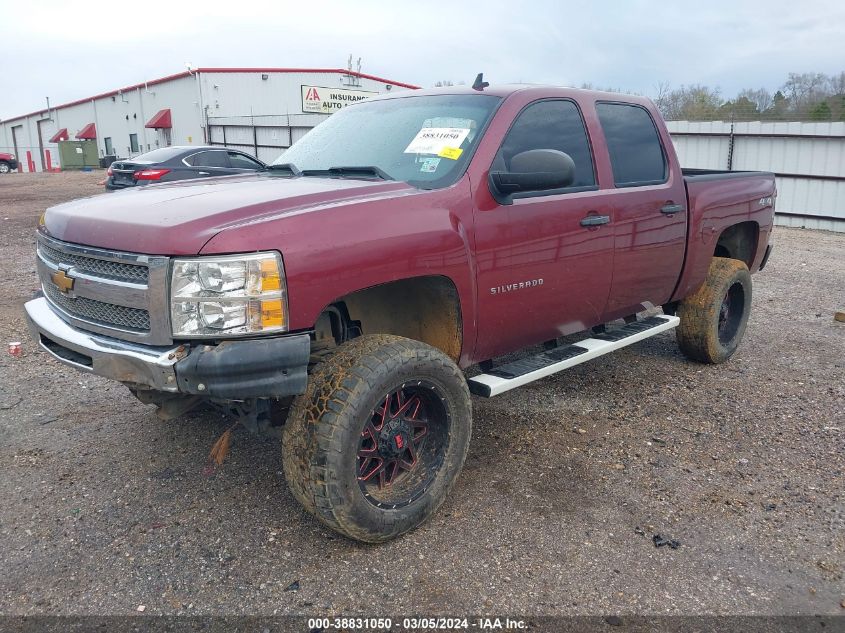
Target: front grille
[98,312]
[114,293]
[96,267]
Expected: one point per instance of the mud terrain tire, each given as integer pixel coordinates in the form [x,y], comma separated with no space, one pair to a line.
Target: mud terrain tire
[713,318]
[371,399]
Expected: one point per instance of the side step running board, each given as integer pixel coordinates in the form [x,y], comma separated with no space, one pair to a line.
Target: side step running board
[520,372]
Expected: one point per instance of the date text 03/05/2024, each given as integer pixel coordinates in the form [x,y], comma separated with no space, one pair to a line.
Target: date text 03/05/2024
[418,624]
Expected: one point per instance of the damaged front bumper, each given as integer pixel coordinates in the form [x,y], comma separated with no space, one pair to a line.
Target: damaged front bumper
[254,368]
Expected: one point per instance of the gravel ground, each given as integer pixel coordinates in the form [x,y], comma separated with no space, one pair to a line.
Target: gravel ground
[106,508]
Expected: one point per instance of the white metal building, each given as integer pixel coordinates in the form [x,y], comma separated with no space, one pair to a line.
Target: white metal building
[260,110]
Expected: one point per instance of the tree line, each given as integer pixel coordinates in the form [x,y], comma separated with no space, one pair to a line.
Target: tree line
[803,97]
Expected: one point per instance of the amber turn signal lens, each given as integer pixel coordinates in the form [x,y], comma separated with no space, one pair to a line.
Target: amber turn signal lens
[270,279]
[272,313]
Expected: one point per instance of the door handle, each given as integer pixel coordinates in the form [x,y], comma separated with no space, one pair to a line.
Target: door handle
[203,173]
[671,209]
[595,220]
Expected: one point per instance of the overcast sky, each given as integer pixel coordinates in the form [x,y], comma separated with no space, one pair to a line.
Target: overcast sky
[71,50]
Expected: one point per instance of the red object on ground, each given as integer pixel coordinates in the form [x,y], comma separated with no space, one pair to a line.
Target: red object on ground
[161,120]
[48,159]
[61,135]
[15,348]
[87,133]
[29,162]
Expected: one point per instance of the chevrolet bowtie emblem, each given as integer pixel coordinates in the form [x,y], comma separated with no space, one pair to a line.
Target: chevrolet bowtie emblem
[62,281]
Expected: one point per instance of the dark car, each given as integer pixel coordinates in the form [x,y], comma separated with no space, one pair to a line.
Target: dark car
[179,163]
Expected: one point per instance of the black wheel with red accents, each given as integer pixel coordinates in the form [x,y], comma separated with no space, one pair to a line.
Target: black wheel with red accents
[377,441]
[402,444]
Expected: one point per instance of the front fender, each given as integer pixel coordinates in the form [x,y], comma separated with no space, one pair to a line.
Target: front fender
[333,251]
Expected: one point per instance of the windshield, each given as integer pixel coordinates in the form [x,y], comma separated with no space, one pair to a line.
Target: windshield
[425,141]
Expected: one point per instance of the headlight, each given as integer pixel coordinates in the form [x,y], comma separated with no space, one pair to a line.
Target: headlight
[228,296]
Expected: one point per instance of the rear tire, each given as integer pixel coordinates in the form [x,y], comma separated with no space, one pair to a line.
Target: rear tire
[713,319]
[376,442]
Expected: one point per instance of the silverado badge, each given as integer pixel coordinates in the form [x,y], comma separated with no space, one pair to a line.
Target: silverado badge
[62,281]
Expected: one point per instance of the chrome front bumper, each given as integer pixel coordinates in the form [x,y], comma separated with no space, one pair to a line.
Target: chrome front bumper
[272,367]
[101,355]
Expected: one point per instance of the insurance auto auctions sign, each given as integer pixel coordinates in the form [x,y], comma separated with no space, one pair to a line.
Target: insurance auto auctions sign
[327,100]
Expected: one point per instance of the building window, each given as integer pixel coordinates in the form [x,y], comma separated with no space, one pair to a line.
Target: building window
[109,147]
[133,144]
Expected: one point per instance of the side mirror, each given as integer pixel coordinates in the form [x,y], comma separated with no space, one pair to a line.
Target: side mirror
[534,170]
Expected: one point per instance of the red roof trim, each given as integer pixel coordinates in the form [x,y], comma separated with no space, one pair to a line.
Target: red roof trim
[161,120]
[87,133]
[61,135]
[339,71]
[188,73]
[111,93]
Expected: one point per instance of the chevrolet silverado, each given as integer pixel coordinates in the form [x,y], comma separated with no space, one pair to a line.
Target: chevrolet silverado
[343,292]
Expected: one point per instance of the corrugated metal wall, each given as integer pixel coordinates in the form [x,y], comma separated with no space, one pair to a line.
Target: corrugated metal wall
[808,159]
[265,136]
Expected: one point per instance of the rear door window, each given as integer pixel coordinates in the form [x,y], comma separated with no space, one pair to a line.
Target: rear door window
[550,124]
[212,158]
[636,154]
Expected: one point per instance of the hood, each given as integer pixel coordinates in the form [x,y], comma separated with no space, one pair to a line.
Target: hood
[179,218]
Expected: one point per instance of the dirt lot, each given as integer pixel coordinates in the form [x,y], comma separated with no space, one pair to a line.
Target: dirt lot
[105,508]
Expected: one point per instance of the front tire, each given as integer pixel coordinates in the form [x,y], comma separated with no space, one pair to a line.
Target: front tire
[376,442]
[713,318]
[5,168]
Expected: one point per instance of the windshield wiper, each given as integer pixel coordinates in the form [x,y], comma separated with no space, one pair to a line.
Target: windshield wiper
[288,167]
[364,171]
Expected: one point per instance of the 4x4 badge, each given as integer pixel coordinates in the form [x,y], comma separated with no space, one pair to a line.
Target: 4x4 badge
[62,281]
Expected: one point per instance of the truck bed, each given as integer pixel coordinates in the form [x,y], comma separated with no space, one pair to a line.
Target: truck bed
[717,199]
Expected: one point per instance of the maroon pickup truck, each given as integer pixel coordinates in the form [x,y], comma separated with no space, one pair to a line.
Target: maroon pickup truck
[342,292]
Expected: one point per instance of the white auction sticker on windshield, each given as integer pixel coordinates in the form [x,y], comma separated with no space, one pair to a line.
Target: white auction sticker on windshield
[433,140]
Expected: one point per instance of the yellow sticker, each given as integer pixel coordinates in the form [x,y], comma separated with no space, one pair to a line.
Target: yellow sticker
[453,153]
